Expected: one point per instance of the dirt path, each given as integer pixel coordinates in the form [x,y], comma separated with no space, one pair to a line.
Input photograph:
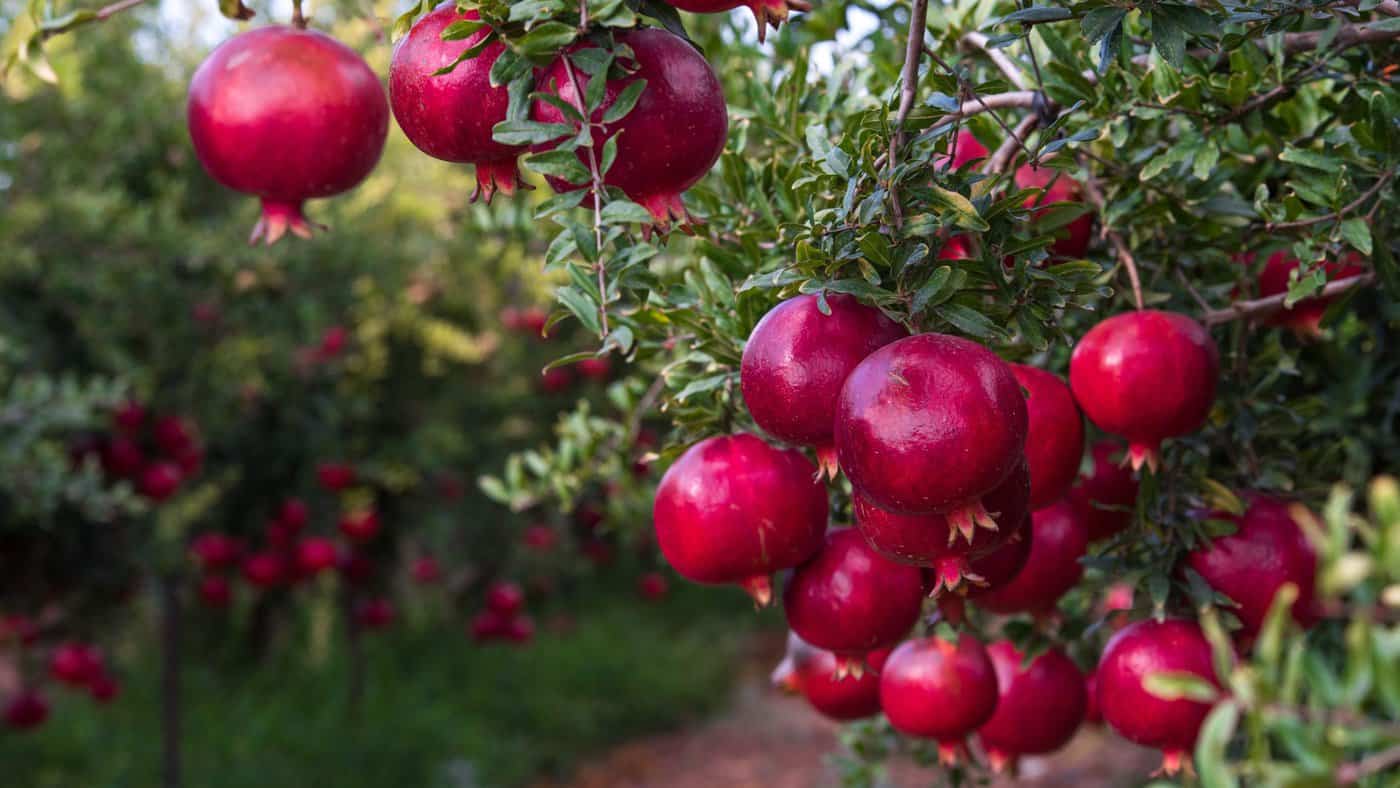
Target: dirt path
[768,740]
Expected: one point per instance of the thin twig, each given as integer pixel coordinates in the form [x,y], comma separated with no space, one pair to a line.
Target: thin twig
[1263,307]
[1005,154]
[99,15]
[1195,294]
[597,182]
[1120,246]
[1352,773]
[1008,67]
[909,86]
[1339,213]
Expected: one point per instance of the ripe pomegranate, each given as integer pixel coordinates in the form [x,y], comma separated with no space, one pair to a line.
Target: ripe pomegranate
[556,380]
[360,526]
[488,625]
[796,360]
[75,664]
[1058,539]
[733,509]
[934,689]
[520,630]
[174,435]
[1106,497]
[671,137]
[215,592]
[333,342]
[103,688]
[335,476]
[504,598]
[930,424]
[931,540]
[1138,651]
[216,551]
[1073,239]
[129,417]
[426,571]
[18,629]
[995,569]
[653,586]
[294,514]
[122,458]
[1305,318]
[540,538]
[286,115]
[1145,375]
[1249,566]
[1054,437]
[265,570]
[159,481]
[450,116]
[375,614]
[597,369]
[26,710]
[1040,705]
[533,319]
[849,600]
[1092,716]
[190,461]
[815,675]
[963,148]
[316,554]
[956,248]
[765,12]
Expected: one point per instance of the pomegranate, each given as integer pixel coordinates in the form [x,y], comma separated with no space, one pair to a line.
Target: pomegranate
[335,476]
[556,380]
[293,514]
[375,614]
[333,342]
[540,538]
[994,569]
[1305,318]
[653,586]
[934,689]
[450,116]
[1073,239]
[360,526]
[765,12]
[175,436]
[286,115]
[216,551]
[488,625]
[19,630]
[1055,435]
[1145,375]
[1106,497]
[520,630]
[815,675]
[122,458]
[1138,651]
[733,509]
[1040,705]
[316,554]
[159,481]
[265,570]
[930,424]
[215,592]
[129,416]
[1091,707]
[426,571]
[75,664]
[931,540]
[1058,539]
[597,369]
[671,137]
[104,689]
[849,600]
[956,248]
[26,710]
[963,148]
[278,535]
[796,360]
[1267,550]
[504,598]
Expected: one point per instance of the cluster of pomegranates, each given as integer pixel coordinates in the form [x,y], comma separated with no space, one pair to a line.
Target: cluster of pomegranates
[74,664]
[156,454]
[965,486]
[503,618]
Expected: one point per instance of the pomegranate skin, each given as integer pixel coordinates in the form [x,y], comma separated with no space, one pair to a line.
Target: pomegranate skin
[1108,484]
[965,148]
[1040,706]
[1054,435]
[841,699]
[929,540]
[1145,375]
[1058,539]
[1073,240]
[849,600]
[933,689]
[930,424]
[450,117]
[286,115]
[1250,566]
[995,569]
[1091,708]
[673,135]
[1145,648]
[733,509]
[797,358]
[1305,318]
[765,12]
[26,710]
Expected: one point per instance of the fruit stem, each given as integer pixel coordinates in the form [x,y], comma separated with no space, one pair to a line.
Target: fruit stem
[298,19]
[909,78]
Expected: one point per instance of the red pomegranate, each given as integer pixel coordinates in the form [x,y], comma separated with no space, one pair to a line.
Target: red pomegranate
[796,360]
[360,526]
[1040,705]
[556,380]
[540,538]
[956,248]
[1140,650]
[26,710]
[520,630]
[1305,318]
[1267,550]
[765,12]
[931,540]
[333,342]
[265,570]
[75,664]
[849,600]
[316,554]
[175,436]
[1145,375]
[1058,539]
[215,592]
[671,137]
[930,424]
[122,458]
[1106,497]
[653,586]
[216,551]
[336,476]
[159,481]
[1055,435]
[426,570]
[963,148]
[995,569]
[934,689]
[815,675]
[129,416]
[450,116]
[733,509]
[286,115]
[375,614]
[1092,716]
[488,625]
[1073,239]
[597,369]
[104,689]
[504,598]
[294,514]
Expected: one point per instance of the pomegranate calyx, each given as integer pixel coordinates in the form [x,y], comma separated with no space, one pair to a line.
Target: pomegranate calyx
[1140,454]
[966,519]
[847,666]
[279,218]
[951,752]
[774,12]
[666,208]
[827,466]
[494,176]
[760,589]
[1175,762]
[1001,762]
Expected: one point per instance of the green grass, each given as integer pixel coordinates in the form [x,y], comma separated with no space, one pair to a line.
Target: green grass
[435,704]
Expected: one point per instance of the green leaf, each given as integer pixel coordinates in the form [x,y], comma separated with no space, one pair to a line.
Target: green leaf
[1307,158]
[1212,744]
[1175,685]
[939,288]
[970,321]
[529,132]
[1037,14]
[582,307]
[625,212]
[624,102]
[965,215]
[548,38]
[235,9]
[1168,37]
[1357,232]
[1101,21]
[461,29]
[559,164]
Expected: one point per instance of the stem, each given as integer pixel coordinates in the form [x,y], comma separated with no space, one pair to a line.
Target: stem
[1091,190]
[298,19]
[1263,307]
[1005,154]
[168,589]
[99,15]
[1008,67]
[1340,212]
[597,178]
[1352,773]
[909,86]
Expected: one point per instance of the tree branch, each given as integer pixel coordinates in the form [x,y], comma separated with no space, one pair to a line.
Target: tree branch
[1004,62]
[1120,246]
[909,87]
[1263,307]
[1352,773]
[1001,160]
[99,15]
[1339,213]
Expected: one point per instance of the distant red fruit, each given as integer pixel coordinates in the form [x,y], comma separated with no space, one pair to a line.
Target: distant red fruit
[335,476]
[520,630]
[653,586]
[129,416]
[360,526]
[18,629]
[174,435]
[598,368]
[488,625]
[159,481]
[1305,318]
[556,380]
[103,688]
[540,538]
[375,614]
[333,342]
[75,664]
[316,554]
[122,458]
[962,149]
[504,598]
[426,570]
[26,710]
[216,551]
[1072,239]
[215,592]
[265,570]
[533,319]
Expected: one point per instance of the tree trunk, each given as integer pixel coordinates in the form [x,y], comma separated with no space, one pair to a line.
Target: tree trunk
[169,590]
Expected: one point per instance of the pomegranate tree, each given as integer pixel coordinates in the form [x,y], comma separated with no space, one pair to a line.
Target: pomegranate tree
[1147,376]
[733,509]
[796,360]
[286,115]
[1039,708]
[1054,434]
[931,688]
